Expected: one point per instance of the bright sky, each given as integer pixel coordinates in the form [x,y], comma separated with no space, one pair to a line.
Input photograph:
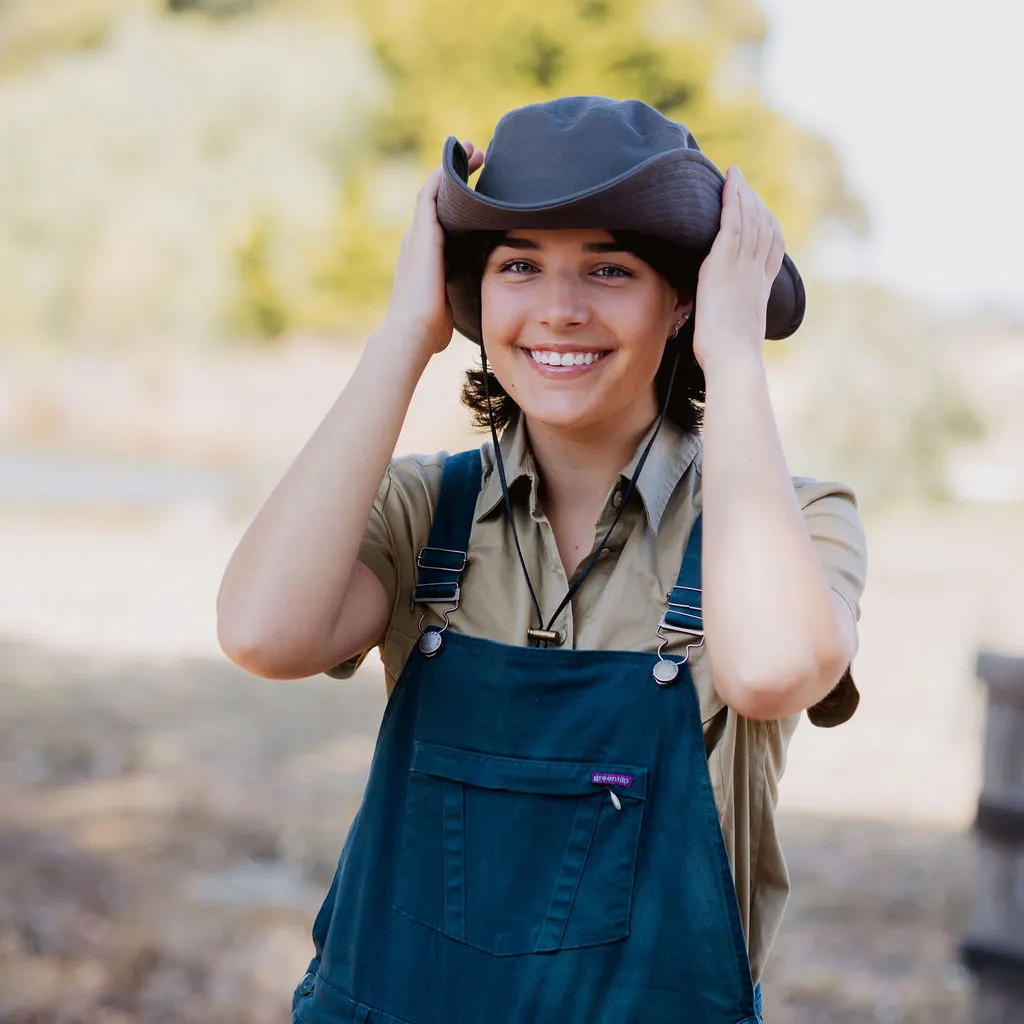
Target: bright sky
[923,100]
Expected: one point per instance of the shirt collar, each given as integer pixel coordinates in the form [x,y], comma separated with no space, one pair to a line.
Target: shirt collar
[671,455]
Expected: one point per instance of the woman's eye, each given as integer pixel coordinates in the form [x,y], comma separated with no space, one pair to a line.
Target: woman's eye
[612,271]
[517,267]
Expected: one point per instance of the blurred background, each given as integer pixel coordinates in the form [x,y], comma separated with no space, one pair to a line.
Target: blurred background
[200,204]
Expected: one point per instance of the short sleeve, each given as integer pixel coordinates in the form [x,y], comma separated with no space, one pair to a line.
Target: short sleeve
[398,526]
[834,524]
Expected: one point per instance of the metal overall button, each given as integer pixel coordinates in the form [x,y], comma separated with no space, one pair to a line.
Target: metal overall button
[665,672]
[307,984]
[430,642]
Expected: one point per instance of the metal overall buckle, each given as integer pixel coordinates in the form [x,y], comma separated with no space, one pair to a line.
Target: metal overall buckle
[666,670]
[431,640]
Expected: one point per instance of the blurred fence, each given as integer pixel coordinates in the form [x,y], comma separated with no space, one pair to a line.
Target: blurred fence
[994,947]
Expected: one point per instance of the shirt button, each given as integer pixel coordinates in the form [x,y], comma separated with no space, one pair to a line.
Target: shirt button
[307,984]
[617,498]
[605,552]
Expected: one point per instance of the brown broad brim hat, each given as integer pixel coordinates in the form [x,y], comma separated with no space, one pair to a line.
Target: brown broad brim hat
[593,162]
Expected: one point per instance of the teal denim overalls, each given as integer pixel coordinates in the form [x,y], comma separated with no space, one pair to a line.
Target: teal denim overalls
[538,842]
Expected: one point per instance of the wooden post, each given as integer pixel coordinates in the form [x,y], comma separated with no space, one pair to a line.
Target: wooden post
[993,948]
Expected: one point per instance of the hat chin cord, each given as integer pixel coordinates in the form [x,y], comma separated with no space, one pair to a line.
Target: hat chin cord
[580,576]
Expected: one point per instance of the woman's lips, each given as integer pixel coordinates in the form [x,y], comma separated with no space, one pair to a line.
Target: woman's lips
[551,363]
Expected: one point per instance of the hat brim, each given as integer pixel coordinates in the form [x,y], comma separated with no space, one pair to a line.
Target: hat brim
[675,196]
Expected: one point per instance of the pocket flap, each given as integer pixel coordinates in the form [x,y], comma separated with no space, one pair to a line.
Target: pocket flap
[526,775]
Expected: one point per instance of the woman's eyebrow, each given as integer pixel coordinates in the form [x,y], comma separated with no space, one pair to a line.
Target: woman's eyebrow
[512,242]
[604,247]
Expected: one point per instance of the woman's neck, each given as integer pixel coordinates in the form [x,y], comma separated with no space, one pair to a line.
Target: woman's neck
[578,468]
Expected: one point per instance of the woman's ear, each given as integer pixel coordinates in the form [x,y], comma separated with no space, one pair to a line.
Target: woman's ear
[681,312]
[684,308]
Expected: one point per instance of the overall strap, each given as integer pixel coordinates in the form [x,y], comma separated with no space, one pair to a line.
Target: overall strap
[440,564]
[685,608]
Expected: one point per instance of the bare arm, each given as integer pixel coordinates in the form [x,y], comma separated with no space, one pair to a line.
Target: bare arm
[778,637]
[294,601]
[281,598]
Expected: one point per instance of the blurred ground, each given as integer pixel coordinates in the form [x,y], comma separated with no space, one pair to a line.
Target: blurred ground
[173,828]
[171,823]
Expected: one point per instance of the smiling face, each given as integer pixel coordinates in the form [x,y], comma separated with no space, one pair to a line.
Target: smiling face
[575,327]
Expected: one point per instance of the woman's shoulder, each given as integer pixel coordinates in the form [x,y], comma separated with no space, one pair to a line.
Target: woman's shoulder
[809,489]
[414,480]
[418,469]
[833,520]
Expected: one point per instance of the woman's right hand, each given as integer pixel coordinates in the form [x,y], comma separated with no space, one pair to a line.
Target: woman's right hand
[418,311]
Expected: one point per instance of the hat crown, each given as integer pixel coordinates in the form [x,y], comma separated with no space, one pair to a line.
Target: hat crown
[547,151]
[589,162]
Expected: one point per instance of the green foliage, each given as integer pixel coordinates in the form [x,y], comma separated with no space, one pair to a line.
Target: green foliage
[214,8]
[263,155]
[353,271]
[455,68]
[32,31]
[133,175]
[260,306]
[456,65]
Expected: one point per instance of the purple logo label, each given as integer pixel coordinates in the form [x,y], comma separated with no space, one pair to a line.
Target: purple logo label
[611,779]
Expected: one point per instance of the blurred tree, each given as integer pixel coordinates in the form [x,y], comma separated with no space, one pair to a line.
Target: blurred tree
[156,185]
[32,31]
[215,8]
[354,267]
[448,68]
[261,309]
[455,68]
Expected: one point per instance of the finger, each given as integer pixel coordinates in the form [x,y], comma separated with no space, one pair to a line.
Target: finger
[428,192]
[729,227]
[748,217]
[766,228]
[476,156]
[425,212]
[773,262]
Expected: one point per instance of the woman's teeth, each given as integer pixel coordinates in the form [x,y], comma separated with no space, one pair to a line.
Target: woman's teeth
[565,358]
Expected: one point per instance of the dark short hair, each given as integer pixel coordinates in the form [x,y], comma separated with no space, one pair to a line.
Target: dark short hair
[467,255]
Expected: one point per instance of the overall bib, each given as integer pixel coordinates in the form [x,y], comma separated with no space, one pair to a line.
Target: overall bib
[538,842]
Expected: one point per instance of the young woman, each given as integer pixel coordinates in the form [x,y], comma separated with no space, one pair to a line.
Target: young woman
[598,632]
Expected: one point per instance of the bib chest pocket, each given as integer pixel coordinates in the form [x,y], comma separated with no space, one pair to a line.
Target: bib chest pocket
[515,855]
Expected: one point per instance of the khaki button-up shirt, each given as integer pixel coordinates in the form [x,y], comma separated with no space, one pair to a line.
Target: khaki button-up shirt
[617,607]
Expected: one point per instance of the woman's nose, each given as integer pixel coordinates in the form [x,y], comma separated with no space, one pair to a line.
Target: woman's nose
[562,302]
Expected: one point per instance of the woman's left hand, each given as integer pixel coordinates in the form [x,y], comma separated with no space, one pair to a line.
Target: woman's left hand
[736,277]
